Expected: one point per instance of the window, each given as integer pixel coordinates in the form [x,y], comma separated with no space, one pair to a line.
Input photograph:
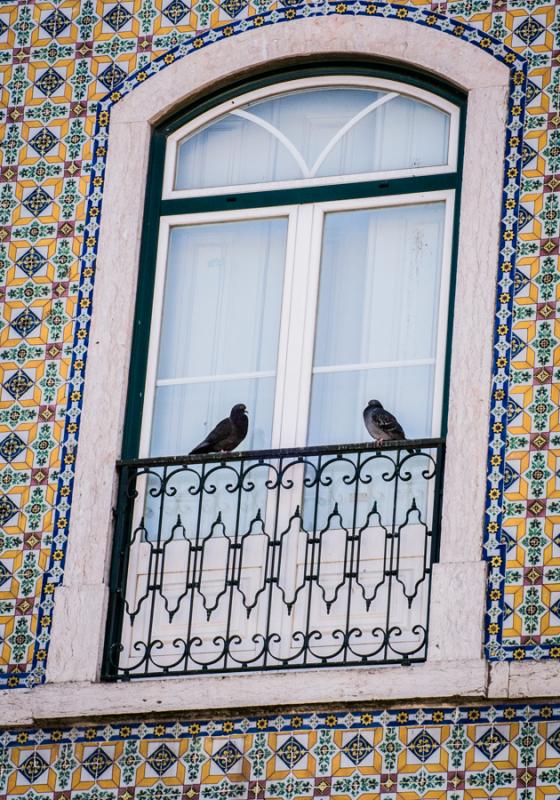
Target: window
[303,265]
[305,309]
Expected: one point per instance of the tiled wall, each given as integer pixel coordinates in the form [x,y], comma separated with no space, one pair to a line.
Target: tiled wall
[454,753]
[58,60]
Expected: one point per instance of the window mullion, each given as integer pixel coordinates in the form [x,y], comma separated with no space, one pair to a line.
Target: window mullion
[285,327]
[296,366]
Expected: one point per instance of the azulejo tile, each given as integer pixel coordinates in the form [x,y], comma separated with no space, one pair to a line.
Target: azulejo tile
[63,65]
[417,752]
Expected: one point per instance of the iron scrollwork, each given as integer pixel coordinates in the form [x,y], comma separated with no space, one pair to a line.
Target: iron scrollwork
[304,557]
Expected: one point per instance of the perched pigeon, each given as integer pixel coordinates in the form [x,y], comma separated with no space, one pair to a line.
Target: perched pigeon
[382,426]
[227,434]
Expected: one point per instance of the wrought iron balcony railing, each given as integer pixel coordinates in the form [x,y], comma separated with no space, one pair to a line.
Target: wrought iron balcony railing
[319,556]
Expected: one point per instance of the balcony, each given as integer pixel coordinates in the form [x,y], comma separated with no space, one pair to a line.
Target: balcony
[281,559]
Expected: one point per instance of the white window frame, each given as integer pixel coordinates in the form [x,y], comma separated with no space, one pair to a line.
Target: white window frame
[284,87]
[298,308]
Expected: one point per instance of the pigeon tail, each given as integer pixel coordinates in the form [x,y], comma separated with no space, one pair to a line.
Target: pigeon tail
[203,447]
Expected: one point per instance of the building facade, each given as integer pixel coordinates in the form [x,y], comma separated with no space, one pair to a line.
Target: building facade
[429,134]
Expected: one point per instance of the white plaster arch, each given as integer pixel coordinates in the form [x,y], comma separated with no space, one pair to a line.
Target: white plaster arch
[455,666]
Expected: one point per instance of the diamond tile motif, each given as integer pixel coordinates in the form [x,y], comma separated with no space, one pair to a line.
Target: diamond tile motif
[529,30]
[513,409]
[555,608]
[554,740]
[175,11]
[226,756]
[528,153]
[5,574]
[510,476]
[49,82]
[97,763]
[532,91]
[25,323]
[112,76]
[55,23]
[291,752]
[357,749]
[11,447]
[18,384]
[517,345]
[7,509]
[505,537]
[33,767]
[31,262]
[43,141]
[491,743]
[37,201]
[233,7]
[524,218]
[423,746]
[162,759]
[117,17]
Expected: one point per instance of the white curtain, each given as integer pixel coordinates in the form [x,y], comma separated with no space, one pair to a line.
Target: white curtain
[378,306]
[221,317]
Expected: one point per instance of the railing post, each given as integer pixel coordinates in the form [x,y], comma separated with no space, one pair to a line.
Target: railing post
[438,502]
[118,574]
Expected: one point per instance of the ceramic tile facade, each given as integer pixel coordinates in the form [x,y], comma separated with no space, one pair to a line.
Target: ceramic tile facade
[509,752]
[62,66]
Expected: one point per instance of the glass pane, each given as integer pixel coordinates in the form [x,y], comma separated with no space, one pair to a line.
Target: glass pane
[401,134]
[185,413]
[378,310]
[314,133]
[339,398]
[219,335]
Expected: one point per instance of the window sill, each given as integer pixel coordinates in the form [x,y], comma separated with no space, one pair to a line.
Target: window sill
[233,692]
[469,679]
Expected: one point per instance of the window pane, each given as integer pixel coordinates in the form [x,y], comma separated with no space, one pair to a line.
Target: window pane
[401,134]
[378,309]
[314,133]
[219,334]
[339,398]
[184,414]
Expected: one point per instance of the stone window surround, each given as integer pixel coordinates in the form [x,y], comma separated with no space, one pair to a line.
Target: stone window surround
[455,665]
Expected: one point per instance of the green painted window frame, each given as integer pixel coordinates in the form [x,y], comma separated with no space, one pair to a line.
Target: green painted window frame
[155,206]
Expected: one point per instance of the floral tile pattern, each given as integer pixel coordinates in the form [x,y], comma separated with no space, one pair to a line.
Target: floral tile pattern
[455,753]
[63,64]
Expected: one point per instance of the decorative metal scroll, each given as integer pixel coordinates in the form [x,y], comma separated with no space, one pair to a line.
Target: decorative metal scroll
[318,556]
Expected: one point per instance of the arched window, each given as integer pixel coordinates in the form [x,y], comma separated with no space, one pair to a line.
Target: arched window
[303,264]
[297,258]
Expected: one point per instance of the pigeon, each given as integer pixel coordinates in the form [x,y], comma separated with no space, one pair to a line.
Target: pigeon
[227,434]
[382,425]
